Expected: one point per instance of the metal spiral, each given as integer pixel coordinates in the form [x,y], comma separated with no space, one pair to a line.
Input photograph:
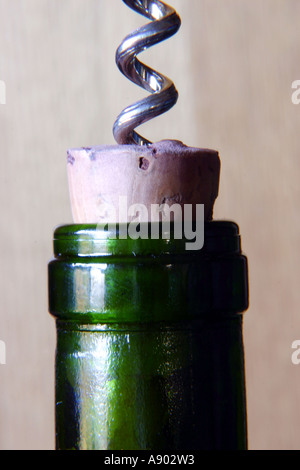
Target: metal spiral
[165,23]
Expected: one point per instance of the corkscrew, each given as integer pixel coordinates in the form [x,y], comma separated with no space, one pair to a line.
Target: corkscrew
[164,23]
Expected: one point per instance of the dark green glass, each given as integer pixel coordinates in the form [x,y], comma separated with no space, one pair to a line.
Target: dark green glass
[149,340]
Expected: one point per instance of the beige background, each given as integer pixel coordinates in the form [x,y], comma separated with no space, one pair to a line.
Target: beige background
[233,63]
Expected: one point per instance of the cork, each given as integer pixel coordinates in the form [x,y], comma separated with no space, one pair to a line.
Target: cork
[103,178]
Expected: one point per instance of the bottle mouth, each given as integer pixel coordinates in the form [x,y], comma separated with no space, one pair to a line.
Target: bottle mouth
[144,239]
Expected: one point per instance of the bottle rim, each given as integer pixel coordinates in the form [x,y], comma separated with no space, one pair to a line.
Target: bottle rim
[97,240]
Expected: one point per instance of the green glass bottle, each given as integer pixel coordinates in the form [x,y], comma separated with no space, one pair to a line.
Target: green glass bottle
[149,340]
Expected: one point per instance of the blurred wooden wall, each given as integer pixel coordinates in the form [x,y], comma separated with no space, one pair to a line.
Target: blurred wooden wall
[233,63]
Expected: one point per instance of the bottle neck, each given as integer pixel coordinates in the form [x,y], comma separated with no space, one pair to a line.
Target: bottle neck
[96,277]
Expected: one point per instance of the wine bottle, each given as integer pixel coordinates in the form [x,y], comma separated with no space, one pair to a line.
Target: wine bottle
[149,351]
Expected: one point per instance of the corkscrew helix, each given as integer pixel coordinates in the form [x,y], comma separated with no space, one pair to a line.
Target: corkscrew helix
[165,23]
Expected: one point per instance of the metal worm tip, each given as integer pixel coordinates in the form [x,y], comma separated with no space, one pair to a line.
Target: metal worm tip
[163,95]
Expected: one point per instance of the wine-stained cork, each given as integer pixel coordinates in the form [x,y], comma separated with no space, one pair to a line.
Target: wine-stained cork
[102,179]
